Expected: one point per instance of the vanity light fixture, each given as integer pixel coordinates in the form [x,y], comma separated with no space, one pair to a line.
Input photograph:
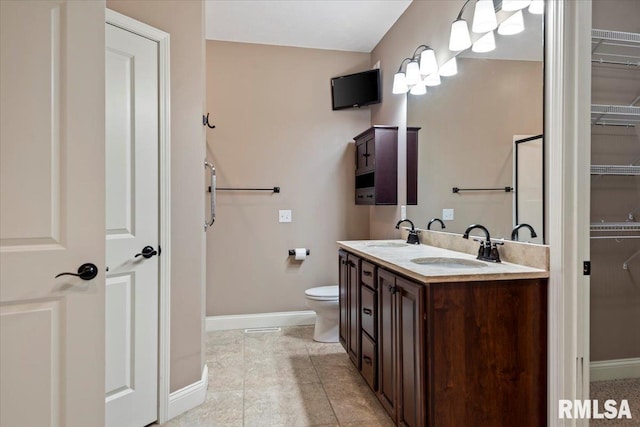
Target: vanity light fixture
[432,80]
[484,44]
[459,38]
[418,89]
[400,80]
[428,63]
[513,5]
[449,68]
[413,73]
[512,25]
[536,7]
[484,18]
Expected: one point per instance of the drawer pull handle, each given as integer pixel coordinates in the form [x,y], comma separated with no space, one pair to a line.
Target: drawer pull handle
[367,360]
[367,311]
[367,273]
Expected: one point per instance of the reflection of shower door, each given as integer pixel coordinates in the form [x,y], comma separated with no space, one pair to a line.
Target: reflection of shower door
[528,175]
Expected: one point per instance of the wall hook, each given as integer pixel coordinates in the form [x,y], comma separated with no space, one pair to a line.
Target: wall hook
[205,121]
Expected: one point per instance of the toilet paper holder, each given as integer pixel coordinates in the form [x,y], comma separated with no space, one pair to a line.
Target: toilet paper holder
[293,252]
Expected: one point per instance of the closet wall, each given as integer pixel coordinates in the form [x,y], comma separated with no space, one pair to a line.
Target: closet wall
[615,192]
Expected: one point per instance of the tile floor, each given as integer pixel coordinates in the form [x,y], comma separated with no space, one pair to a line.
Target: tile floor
[284,379]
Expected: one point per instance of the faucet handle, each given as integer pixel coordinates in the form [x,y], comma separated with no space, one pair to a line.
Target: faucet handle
[495,244]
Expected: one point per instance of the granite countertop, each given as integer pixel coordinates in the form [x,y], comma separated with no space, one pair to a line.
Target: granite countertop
[397,255]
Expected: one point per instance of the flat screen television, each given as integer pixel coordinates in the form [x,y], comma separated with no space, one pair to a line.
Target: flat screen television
[355,90]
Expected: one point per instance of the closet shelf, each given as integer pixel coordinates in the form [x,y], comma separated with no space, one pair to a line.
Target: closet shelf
[615,115]
[615,48]
[615,170]
[624,227]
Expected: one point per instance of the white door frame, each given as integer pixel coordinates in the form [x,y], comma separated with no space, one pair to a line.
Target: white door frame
[164,171]
[567,130]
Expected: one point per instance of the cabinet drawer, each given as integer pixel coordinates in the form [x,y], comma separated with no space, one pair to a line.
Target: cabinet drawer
[369,367]
[365,196]
[368,272]
[368,311]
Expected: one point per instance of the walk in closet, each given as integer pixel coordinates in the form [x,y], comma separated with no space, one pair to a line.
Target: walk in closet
[615,197]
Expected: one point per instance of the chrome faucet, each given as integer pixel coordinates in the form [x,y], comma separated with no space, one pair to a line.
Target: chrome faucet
[435,220]
[514,233]
[413,238]
[488,250]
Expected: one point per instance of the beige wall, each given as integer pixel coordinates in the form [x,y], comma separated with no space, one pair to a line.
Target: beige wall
[615,292]
[275,127]
[468,123]
[424,22]
[183,20]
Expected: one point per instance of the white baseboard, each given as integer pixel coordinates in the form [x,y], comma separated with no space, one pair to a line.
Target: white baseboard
[189,397]
[615,369]
[261,320]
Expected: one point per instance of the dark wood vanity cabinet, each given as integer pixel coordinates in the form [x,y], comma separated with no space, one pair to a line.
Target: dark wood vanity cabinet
[401,336]
[448,354]
[349,296]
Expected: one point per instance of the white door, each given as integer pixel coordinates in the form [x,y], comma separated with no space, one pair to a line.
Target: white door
[132,225]
[51,213]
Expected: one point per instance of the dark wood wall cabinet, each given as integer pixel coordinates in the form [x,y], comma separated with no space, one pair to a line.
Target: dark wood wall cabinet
[377,166]
[447,354]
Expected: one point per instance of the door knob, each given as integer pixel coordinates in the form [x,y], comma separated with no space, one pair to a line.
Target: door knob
[147,252]
[86,272]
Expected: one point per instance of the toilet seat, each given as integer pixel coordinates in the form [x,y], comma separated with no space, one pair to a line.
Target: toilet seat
[322,293]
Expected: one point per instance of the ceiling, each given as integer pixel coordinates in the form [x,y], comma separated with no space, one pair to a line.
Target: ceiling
[349,25]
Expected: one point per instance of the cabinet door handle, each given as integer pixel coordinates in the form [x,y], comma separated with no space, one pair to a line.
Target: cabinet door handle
[367,273]
[367,360]
[367,311]
[393,289]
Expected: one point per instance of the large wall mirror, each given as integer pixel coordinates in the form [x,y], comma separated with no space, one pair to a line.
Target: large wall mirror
[469,127]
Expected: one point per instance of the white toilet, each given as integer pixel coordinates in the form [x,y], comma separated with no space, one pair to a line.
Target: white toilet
[324,301]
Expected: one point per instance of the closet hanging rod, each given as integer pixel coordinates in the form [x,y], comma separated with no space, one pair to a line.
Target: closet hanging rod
[625,265]
[608,62]
[505,189]
[272,189]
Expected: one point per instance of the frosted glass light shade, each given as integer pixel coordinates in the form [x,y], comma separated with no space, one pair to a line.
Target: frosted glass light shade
[413,73]
[449,68]
[459,38]
[512,25]
[432,80]
[536,7]
[484,18]
[484,44]
[428,63]
[512,5]
[400,84]
[418,89]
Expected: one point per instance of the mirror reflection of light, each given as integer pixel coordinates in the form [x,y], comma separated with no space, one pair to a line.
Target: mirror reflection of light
[512,25]
[449,68]
[484,44]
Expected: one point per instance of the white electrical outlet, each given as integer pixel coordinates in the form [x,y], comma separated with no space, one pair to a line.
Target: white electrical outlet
[403,212]
[447,214]
[284,215]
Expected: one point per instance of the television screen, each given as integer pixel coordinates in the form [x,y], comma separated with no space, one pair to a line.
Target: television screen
[355,90]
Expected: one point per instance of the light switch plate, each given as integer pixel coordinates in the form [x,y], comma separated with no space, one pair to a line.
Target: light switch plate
[447,214]
[403,212]
[284,215]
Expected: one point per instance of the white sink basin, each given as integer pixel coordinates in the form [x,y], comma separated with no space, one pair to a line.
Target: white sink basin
[449,262]
[388,245]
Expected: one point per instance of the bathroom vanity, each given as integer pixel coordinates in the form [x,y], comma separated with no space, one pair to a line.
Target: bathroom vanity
[443,339]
